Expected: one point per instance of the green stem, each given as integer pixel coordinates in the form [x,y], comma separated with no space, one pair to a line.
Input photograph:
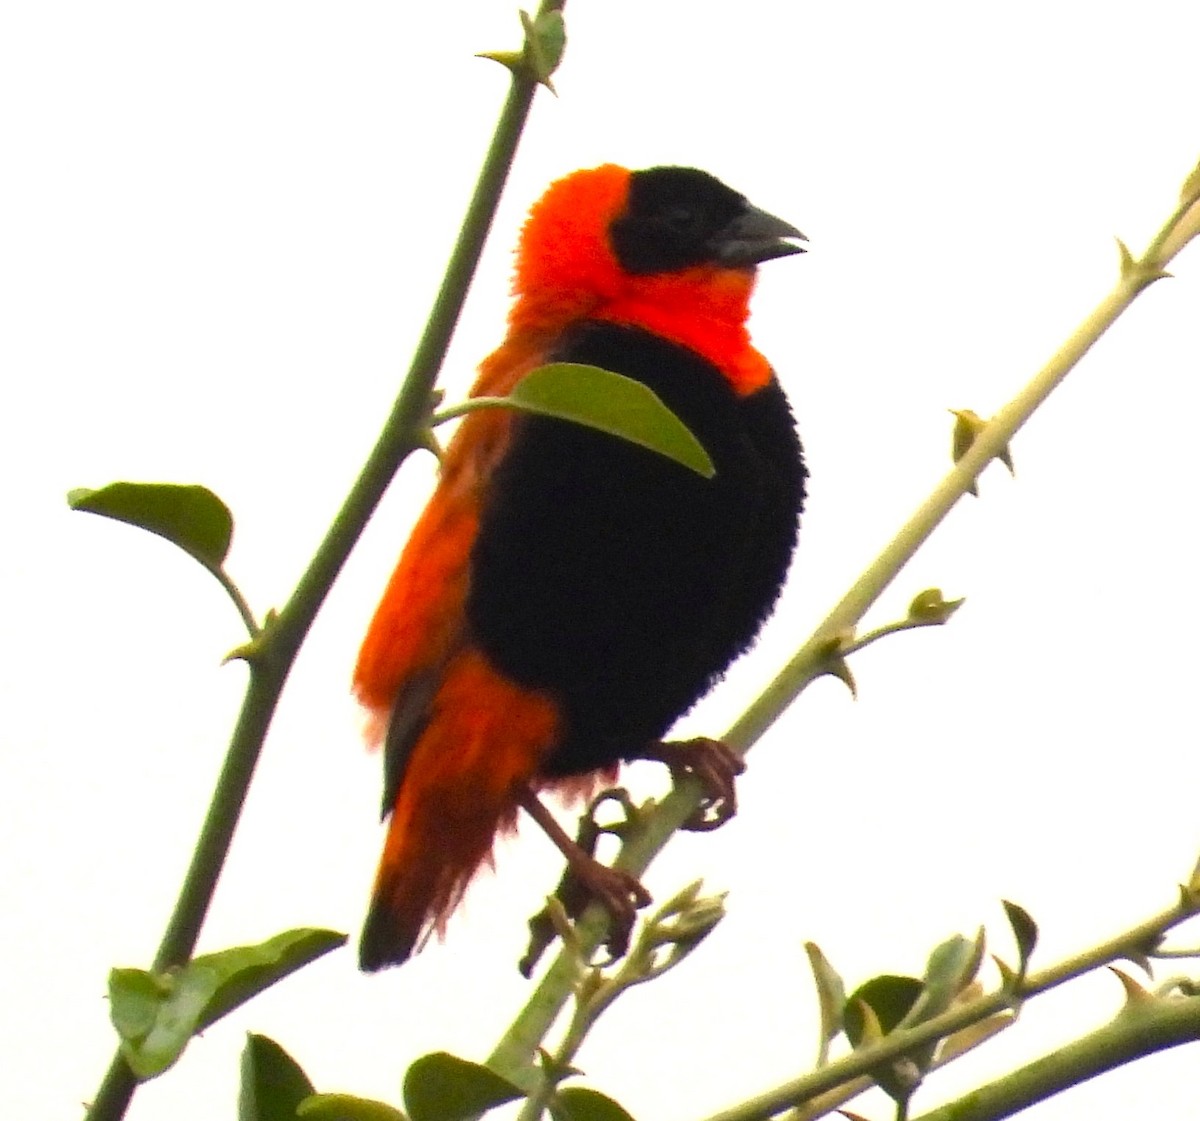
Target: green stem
[470,405]
[1135,1033]
[904,1040]
[404,430]
[514,1051]
[239,600]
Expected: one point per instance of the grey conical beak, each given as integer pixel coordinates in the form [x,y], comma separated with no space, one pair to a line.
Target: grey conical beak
[755,236]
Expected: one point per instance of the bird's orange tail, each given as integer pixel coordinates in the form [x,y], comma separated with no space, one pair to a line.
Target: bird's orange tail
[483,742]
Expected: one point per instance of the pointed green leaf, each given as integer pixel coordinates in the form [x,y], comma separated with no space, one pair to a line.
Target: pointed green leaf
[346,1107]
[889,996]
[929,606]
[134,998]
[272,1085]
[1008,976]
[155,1014]
[951,967]
[610,403]
[831,995]
[191,517]
[443,1087]
[1025,931]
[545,40]
[577,1103]
[245,971]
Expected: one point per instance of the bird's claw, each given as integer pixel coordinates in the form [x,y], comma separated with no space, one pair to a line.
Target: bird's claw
[620,893]
[714,765]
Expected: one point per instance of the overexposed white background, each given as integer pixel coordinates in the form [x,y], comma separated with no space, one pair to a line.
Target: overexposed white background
[220,229]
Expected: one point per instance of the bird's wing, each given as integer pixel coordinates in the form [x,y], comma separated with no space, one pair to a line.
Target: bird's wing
[420,620]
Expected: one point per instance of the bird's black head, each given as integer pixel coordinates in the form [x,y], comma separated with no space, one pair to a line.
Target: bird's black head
[677,217]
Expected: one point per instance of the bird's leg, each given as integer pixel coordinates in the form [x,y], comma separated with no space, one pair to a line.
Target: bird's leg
[619,893]
[713,764]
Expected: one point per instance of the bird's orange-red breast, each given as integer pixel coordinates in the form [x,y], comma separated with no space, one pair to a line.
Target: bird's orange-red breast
[566,595]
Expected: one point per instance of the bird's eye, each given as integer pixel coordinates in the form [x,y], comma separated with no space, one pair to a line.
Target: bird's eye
[682,219]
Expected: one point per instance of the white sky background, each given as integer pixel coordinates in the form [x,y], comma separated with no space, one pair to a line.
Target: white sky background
[220,231]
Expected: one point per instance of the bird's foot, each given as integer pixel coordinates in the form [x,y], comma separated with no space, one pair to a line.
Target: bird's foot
[619,893]
[714,764]
[585,881]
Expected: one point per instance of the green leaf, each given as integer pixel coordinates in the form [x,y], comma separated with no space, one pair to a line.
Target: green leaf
[951,968]
[346,1107]
[545,40]
[155,1014]
[1025,931]
[135,997]
[443,1087]
[245,971]
[831,996]
[890,997]
[191,517]
[577,1103]
[273,1085]
[931,607]
[609,403]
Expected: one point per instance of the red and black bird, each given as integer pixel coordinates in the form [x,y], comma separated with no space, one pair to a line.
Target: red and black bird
[567,595]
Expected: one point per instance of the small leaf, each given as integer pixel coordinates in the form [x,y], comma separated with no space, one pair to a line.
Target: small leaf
[134,999]
[577,1103]
[272,1085]
[951,967]
[1009,978]
[686,919]
[155,1014]
[545,40]
[191,517]
[346,1107]
[831,995]
[889,997]
[443,1087]
[1025,931]
[610,403]
[929,607]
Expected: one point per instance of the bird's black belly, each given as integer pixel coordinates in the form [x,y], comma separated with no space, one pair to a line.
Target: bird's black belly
[618,581]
